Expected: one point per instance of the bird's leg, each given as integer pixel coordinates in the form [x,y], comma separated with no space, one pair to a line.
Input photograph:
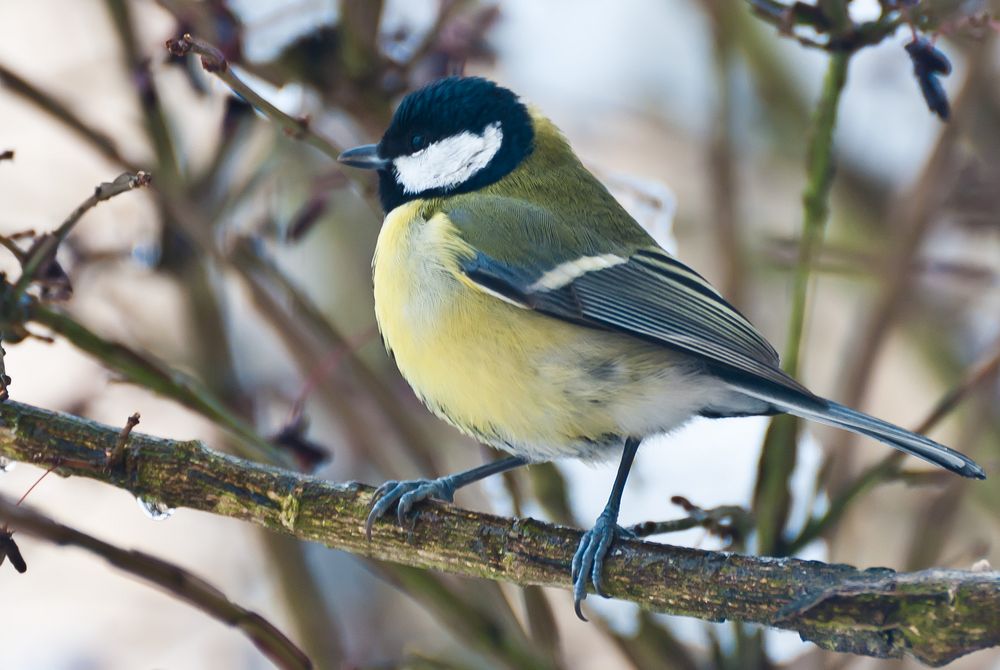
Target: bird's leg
[405,494]
[588,562]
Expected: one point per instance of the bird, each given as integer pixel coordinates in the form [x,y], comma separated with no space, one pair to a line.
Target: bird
[528,309]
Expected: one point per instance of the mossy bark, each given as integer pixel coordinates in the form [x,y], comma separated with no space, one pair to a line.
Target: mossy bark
[933,615]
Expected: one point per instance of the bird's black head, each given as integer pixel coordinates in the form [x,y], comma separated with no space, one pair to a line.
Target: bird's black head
[453,136]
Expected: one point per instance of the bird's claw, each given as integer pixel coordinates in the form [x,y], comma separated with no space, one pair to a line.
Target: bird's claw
[404,495]
[588,561]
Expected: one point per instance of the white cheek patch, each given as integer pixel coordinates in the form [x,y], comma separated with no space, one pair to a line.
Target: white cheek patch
[449,162]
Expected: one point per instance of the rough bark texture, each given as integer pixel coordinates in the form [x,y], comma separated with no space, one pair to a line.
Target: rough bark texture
[933,615]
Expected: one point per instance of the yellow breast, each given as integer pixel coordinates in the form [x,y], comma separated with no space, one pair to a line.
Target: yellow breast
[516,379]
[472,358]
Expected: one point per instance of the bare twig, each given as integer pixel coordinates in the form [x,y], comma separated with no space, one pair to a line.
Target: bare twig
[171,578]
[445,10]
[729,522]
[116,454]
[724,185]
[911,221]
[987,366]
[213,60]
[829,20]
[144,370]
[889,467]
[934,615]
[44,250]
[63,114]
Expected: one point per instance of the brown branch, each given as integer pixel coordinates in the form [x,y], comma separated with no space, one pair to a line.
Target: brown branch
[981,371]
[934,615]
[889,468]
[145,370]
[828,19]
[214,62]
[118,451]
[43,251]
[171,578]
[911,222]
[62,113]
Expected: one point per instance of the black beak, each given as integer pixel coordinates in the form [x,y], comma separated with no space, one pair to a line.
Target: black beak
[365,157]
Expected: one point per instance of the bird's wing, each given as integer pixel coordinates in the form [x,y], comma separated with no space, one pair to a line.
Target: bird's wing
[638,290]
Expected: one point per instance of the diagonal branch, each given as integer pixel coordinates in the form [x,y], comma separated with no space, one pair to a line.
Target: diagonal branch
[144,370]
[43,252]
[63,114]
[214,62]
[934,615]
[171,578]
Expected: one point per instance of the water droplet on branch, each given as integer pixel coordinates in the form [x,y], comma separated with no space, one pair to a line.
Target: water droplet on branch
[154,509]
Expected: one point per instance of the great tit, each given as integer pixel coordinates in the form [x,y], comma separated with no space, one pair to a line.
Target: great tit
[528,309]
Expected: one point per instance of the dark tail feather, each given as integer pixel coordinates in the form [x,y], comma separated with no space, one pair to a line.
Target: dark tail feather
[832,414]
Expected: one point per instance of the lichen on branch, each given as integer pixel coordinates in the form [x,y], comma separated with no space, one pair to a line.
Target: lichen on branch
[934,615]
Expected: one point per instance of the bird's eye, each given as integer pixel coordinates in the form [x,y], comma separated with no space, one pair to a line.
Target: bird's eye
[418,142]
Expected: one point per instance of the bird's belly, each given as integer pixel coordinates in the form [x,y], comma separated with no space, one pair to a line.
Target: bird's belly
[519,380]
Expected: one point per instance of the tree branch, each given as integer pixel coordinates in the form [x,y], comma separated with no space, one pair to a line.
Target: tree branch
[214,62]
[63,114]
[933,615]
[43,252]
[171,578]
[144,370]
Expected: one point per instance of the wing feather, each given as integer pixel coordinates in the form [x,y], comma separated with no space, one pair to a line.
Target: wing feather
[652,296]
[626,283]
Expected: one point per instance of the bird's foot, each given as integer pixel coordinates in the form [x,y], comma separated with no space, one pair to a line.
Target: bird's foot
[404,495]
[588,561]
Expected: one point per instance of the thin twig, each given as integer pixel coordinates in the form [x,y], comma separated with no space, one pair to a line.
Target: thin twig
[724,185]
[35,484]
[730,522]
[104,144]
[445,10]
[171,578]
[215,62]
[889,467]
[981,370]
[142,369]
[934,615]
[911,220]
[816,202]
[116,454]
[44,250]
[326,368]
[829,19]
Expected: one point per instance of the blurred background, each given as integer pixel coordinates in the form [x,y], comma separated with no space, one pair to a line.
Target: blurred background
[246,265]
